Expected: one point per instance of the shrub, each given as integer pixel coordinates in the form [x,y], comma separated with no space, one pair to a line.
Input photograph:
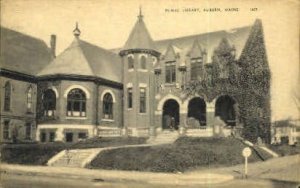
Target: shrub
[184,154]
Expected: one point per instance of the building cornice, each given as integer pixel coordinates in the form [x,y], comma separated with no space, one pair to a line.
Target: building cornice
[34,79]
[71,77]
[132,51]
[17,75]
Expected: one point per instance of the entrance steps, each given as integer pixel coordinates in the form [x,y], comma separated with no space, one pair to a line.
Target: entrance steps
[73,158]
[165,137]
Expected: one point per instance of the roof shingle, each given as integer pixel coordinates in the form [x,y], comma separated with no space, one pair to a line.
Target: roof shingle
[23,53]
[83,58]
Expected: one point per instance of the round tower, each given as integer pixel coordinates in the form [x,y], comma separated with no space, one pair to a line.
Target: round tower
[139,56]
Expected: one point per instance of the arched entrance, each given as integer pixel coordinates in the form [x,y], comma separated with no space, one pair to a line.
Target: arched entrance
[197,111]
[226,109]
[170,116]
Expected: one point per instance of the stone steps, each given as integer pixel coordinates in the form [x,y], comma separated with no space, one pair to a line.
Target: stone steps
[73,158]
[165,137]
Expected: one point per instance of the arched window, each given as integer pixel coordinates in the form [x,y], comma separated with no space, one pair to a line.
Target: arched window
[7,96]
[76,103]
[49,102]
[29,99]
[143,62]
[108,106]
[130,62]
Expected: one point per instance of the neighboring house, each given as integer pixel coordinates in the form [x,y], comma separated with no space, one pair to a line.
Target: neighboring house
[143,88]
[22,57]
[285,132]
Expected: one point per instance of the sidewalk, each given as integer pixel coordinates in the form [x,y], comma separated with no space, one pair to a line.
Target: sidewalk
[109,175]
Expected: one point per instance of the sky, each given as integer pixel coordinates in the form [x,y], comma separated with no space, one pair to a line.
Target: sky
[107,23]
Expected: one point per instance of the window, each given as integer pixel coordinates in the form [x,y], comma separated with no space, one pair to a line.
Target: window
[29,99]
[143,62]
[142,100]
[82,135]
[6,130]
[224,71]
[196,67]
[69,137]
[51,136]
[108,106]
[130,98]
[7,96]
[76,103]
[49,102]
[28,131]
[130,62]
[170,72]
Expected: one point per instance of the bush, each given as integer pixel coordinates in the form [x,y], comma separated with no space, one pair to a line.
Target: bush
[184,154]
[33,154]
[285,149]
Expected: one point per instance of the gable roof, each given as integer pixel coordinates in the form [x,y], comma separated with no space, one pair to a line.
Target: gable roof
[83,58]
[23,53]
[208,41]
[139,37]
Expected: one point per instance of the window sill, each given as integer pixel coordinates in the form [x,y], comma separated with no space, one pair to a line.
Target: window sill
[129,109]
[142,70]
[74,117]
[142,113]
[170,84]
[130,70]
[108,120]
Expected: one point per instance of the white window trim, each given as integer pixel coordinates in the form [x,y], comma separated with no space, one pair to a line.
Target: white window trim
[129,85]
[107,120]
[87,93]
[110,92]
[55,91]
[143,85]
[74,117]
[142,70]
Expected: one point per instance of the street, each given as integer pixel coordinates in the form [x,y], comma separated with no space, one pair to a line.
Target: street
[29,181]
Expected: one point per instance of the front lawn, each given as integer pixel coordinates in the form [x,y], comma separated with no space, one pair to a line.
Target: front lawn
[31,154]
[186,153]
[40,153]
[285,149]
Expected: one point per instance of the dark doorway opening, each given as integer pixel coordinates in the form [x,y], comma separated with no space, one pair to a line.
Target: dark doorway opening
[170,115]
[226,109]
[197,110]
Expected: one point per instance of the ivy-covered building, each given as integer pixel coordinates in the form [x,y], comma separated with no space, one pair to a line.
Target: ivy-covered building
[191,84]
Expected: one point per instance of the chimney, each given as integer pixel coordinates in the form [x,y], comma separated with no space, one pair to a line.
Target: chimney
[53,44]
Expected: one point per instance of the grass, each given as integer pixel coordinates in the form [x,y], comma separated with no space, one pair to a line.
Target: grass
[40,153]
[186,153]
[33,154]
[285,150]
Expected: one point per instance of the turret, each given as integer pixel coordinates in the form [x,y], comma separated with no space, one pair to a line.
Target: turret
[139,56]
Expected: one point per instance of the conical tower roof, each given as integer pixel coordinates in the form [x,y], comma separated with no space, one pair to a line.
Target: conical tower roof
[139,38]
